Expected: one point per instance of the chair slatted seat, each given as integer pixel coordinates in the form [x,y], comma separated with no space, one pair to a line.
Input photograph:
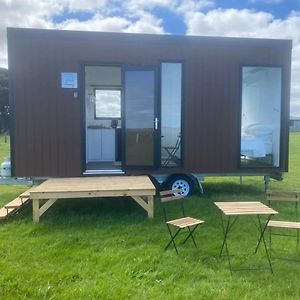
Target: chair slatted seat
[284,224]
[184,222]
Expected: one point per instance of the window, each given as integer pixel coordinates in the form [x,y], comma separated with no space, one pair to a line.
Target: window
[171,90]
[102,93]
[107,103]
[260,119]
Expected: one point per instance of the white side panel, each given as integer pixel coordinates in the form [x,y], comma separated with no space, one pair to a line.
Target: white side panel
[108,144]
[93,145]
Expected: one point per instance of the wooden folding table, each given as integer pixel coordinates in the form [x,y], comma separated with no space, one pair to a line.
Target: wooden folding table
[233,210]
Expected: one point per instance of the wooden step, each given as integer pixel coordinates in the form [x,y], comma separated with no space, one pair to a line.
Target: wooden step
[6,212]
[26,194]
[16,203]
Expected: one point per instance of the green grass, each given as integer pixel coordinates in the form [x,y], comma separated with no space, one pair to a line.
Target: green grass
[107,249]
[4,147]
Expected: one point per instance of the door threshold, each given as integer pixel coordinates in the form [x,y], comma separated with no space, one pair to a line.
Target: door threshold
[103,172]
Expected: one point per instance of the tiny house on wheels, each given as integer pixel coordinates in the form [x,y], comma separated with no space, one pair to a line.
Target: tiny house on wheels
[175,107]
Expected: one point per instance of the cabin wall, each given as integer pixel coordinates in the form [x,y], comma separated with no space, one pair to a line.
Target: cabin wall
[47,133]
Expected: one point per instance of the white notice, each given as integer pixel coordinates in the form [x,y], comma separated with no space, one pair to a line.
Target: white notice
[69,80]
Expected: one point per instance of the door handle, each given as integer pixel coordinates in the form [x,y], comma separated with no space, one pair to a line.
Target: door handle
[155,123]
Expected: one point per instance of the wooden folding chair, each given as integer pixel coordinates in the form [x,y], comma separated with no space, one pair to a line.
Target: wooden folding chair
[181,223]
[171,152]
[285,197]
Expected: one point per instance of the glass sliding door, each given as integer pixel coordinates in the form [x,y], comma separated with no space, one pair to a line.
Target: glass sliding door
[171,91]
[102,106]
[140,119]
[260,116]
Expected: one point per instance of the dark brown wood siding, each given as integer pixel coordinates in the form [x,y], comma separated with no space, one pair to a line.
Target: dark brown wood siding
[46,129]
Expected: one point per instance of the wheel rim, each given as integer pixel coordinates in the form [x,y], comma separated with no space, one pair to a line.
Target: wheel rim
[182,184]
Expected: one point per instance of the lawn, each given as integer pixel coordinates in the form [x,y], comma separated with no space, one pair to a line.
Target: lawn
[4,147]
[108,249]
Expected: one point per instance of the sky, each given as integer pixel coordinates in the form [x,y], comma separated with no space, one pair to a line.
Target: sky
[235,18]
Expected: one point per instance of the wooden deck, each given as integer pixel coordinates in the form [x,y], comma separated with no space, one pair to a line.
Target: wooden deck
[140,188]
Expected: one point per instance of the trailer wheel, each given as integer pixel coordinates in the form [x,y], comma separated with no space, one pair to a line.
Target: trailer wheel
[181,182]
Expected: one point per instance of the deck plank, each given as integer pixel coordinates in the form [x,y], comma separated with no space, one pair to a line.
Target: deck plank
[109,186]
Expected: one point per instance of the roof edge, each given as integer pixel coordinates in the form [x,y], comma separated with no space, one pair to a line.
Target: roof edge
[15,32]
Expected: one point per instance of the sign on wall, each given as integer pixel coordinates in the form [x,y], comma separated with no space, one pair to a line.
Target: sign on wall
[69,80]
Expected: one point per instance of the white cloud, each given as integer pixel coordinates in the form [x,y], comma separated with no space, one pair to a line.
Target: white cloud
[138,5]
[97,23]
[11,9]
[295,108]
[147,23]
[87,5]
[249,23]
[230,22]
[194,5]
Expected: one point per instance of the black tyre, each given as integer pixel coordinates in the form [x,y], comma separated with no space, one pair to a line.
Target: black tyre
[156,184]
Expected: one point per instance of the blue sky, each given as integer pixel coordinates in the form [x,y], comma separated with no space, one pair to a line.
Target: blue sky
[172,22]
[236,18]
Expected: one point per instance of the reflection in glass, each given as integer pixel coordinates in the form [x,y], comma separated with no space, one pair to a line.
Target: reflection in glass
[139,117]
[102,76]
[171,88]
[107,103]
[261,110]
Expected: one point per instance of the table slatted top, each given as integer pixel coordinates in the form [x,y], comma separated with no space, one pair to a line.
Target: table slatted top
[245,208]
